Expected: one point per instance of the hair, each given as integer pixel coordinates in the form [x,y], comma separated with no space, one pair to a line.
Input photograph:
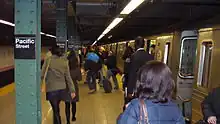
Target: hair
[139,42]
[128,52]
[155,82]
[73,61]
[56,50]
[153,46]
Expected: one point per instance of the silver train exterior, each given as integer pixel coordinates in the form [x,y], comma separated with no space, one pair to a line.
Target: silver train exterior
[193,57]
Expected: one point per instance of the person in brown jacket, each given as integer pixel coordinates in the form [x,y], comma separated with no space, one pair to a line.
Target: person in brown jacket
[59,84]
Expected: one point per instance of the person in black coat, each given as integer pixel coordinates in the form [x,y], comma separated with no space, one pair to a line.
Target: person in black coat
[112,69]
[127,60]
[138,59]
[211,107]
[76,76]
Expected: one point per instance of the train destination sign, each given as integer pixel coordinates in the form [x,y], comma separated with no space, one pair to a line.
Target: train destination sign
[25,47]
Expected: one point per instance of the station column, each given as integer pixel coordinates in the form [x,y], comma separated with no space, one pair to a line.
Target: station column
[27,52]
[72,26]
[61,23]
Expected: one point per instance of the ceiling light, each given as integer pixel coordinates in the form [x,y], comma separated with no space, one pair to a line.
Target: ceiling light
[50,35]
[94,43]
[7,23]
[114,23]
[100,37]
[110,37]
[13,25]
[133,4]
[106,31]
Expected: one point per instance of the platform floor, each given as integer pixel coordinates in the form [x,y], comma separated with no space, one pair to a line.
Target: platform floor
[98,108]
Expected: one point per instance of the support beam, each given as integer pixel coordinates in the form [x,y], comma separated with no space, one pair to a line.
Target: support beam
[27,51]
[61,23]
[73,39]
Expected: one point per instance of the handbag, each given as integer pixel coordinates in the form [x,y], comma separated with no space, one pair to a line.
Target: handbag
[45,75]
[143,114]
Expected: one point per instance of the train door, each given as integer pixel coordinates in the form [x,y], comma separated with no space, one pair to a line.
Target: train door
[185,77]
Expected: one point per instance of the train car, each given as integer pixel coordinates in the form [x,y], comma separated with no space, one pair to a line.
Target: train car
[193,57]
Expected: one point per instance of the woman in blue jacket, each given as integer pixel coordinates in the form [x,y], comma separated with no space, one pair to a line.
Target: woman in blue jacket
[154,104]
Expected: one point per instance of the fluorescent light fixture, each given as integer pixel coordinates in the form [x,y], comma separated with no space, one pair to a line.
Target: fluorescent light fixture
[50,35]
[106,31]
[13,25]
[114,23]
[133,4]
[110,37]
[100,37]
[7,23]
[94,43]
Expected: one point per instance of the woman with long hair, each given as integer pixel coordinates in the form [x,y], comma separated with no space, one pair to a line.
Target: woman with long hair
[59,85]
[76,76]
[154,104]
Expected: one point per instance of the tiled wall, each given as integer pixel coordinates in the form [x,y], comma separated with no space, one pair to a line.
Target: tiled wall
[7,55]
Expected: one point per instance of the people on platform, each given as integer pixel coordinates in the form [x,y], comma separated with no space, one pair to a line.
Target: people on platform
[48,54]
[138,59]
[111,64]
[75,73]
[211,107]
[154,104]
[59,84]
[92,67]
[127,60]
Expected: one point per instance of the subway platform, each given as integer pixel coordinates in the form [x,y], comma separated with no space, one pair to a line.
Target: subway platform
[98,108]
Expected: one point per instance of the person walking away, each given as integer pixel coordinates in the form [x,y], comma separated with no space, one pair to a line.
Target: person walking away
[127,60]
[48,54]
[211,107]
[112,69]
[76,76]
[59,85]
[138,59]
[154,103]
[92,67]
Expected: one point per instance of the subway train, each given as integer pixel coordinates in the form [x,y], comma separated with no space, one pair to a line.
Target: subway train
[193,57]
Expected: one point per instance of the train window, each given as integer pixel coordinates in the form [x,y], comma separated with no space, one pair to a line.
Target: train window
[187,57]
[204,64]
[166,53]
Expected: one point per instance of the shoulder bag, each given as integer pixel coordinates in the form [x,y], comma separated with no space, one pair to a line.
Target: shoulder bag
[143,113]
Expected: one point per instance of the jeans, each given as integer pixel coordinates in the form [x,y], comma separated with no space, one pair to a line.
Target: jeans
[67,110]
[56,111]
[110,74]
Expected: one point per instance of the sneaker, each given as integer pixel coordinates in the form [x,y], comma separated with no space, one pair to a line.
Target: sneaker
[92,91]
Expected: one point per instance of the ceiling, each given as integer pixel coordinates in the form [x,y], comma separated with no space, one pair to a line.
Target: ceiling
[164,16]
[93,16]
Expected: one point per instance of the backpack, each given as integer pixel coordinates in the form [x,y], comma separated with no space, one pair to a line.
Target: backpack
[93,57]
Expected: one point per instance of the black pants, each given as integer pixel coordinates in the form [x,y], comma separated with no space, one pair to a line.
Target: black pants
[91,80]
[67,110]
[56,111]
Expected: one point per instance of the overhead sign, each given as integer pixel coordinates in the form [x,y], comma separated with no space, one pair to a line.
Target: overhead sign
[61,45]
[71,45]
[25,47]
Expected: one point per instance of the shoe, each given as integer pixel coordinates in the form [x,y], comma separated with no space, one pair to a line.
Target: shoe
[116,88]
[74,119]
[92,91]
